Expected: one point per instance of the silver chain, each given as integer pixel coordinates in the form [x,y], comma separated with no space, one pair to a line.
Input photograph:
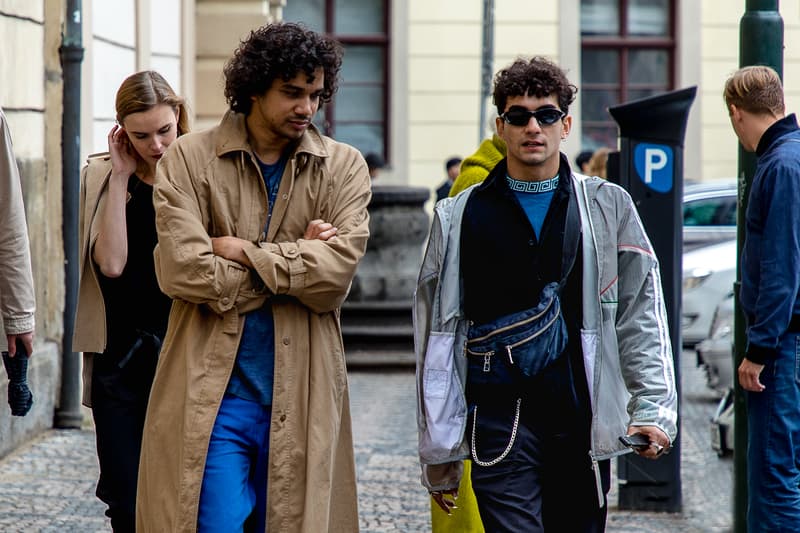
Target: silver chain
[510,442]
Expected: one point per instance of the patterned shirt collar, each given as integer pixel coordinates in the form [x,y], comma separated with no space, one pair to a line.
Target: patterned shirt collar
[532,186]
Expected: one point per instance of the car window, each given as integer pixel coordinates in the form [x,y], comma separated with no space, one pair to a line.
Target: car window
[720,211]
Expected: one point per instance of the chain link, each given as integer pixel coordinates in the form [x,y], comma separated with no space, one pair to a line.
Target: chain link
[510,442]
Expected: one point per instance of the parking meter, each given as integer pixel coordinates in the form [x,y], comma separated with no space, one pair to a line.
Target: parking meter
[650,167]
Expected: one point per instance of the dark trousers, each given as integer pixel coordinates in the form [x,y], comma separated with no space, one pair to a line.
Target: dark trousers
[545,482]
[119,403]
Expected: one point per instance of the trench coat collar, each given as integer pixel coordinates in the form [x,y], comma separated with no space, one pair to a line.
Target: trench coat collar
[232,137]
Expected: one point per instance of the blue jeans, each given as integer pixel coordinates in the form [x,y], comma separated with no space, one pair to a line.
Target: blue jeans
[773,436]
[233,496]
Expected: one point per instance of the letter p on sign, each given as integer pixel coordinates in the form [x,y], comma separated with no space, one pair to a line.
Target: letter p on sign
[653,164]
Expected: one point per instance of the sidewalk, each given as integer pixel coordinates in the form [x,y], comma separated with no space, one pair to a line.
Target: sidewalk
[48,484]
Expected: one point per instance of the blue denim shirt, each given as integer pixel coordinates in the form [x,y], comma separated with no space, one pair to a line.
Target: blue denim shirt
[255,362]
[770,292]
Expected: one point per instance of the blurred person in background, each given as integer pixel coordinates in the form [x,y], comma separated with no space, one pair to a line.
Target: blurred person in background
[451,167]
[374,164]
[477,166]
[582,160]
[598,163]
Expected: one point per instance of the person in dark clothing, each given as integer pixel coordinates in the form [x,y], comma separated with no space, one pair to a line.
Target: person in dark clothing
[451,166]
[374,164]
[770,297]
[582,161]
[119,291]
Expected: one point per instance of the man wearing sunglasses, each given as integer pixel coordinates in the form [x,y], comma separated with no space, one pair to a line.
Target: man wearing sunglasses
[541,443]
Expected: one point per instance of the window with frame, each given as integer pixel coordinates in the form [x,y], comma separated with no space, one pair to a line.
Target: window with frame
[358,113]
[627,53]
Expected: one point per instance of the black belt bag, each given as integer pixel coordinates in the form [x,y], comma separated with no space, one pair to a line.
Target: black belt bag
[522,344]
[519,345]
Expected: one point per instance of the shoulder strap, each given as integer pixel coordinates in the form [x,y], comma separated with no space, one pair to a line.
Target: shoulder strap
[572,235]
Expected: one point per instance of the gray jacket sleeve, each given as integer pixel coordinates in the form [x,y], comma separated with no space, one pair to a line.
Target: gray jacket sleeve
[645,348]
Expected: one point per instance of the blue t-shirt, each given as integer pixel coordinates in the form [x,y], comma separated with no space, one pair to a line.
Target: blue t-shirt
[255,361]
[534,197]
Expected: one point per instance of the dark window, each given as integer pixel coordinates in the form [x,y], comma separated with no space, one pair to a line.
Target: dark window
[358,114]
[627,53]
[718,211]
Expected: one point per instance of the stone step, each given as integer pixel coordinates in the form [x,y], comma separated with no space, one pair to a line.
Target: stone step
[378,333]
[369,330]
[365,358]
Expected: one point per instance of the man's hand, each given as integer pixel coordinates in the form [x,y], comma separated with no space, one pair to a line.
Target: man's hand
[446,499]
[231,248]
[659,441]
[319,229]
[749,373]
[27,341]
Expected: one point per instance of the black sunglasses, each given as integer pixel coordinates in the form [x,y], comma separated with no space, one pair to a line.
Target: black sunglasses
[545,117]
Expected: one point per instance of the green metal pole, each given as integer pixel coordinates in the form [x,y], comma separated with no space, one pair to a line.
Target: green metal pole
[760,43]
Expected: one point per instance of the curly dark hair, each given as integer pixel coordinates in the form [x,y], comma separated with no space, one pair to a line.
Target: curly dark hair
[279,50]
[538,77]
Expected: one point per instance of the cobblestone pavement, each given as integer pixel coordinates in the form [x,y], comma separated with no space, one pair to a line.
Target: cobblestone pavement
[48,484]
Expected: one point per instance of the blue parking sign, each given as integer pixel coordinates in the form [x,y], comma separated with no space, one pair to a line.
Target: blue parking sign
[653,164]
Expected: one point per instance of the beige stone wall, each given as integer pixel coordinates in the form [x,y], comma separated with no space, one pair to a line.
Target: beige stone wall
[719,56]
[214,47]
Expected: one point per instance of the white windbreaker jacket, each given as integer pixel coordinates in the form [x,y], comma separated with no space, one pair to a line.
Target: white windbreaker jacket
[626,345]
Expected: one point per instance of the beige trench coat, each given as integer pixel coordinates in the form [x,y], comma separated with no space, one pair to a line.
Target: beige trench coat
[208,184]
[90,316]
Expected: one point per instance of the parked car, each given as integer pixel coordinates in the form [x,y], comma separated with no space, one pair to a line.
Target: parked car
[714,354]
[709,213]
[708,276]
[722,426]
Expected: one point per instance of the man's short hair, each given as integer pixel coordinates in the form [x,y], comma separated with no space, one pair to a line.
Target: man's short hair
[280,50]
[374,160]
[453,161]
[583,158]
[537,77]
[755,89]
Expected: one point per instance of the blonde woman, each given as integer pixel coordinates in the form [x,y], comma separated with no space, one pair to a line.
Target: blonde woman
[122,314]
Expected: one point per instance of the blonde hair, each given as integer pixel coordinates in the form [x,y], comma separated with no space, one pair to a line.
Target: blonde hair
[755,89]
[143,91]
[596,166]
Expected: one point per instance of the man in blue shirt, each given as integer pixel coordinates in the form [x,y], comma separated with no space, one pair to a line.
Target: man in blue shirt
[769,297]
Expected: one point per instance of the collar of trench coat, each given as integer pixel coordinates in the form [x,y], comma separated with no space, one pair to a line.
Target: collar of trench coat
[232,137]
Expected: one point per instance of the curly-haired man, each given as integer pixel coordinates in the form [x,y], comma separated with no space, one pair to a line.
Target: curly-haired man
[261,223]
[541,327]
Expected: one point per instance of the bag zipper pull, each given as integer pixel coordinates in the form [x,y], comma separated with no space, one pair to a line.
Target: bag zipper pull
[487,362]
[510,359]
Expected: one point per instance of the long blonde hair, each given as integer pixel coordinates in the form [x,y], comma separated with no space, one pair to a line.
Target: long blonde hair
[143,91]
